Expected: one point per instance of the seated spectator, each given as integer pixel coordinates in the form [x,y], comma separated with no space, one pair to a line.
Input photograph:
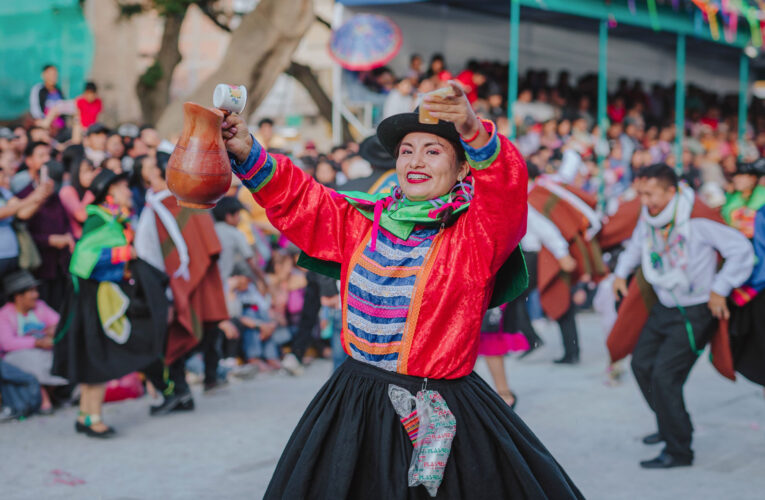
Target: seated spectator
[260,345]
[27,327]
[399,99]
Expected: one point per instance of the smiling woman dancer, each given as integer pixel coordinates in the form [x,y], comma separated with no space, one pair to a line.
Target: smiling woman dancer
[418,269]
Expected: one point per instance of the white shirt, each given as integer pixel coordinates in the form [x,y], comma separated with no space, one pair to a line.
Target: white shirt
[706,238]
[540,231]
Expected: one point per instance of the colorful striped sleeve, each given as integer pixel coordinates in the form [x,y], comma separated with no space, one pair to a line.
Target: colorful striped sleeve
[481,158]
[256,170]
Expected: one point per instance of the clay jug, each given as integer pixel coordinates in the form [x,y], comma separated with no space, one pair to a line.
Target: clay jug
[199,172]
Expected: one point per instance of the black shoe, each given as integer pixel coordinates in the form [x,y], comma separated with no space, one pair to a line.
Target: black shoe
[211,387]
[572,359]
[174,402]
[533,346]
[88,431]
[654,438]
[666,461]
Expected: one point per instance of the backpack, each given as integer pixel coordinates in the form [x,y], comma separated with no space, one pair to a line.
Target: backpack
[20,391]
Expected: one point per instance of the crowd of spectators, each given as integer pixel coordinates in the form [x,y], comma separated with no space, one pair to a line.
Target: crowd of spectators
[553,116]
[47,164]
[284,315]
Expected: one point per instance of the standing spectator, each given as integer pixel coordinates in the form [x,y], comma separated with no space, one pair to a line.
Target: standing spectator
[89,105]
[27,328]
[182,243]
[76,196]
[266,134]
[10,208]
[150,137]
[471,80]
[399,99]
[437,67]
[115,148]
[415,69]
[49,228]
[43,96]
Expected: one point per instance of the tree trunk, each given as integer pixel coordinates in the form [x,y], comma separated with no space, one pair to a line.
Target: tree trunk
[308,80]
[153,87]
[260,50]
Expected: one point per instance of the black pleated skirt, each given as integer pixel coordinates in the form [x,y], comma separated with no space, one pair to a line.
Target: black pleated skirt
[84,354]
[350,444]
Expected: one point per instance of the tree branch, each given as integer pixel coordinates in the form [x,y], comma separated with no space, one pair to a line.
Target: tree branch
[308,80]
[323,21]
[208,11]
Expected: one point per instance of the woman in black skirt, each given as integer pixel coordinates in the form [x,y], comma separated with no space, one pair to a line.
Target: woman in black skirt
[115,314]
[405,417]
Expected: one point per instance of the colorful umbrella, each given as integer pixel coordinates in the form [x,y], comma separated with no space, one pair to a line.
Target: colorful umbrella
[364,42]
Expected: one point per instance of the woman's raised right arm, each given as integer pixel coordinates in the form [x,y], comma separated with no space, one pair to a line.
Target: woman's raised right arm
[310,215]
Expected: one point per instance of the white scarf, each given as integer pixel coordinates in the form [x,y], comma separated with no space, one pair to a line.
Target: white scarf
[665,256]
[153,206]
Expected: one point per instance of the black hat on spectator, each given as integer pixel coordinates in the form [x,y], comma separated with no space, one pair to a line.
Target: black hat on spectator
[751,167]
[18,281]
[372,150]
[227,205]
[100,185]
[97,128]
[534,171]
[393,129]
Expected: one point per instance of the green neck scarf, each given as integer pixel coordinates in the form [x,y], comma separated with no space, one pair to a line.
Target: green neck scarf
[399,216]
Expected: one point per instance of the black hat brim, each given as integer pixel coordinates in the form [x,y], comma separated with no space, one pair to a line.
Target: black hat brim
[372,150]
[100,187]
[393,129]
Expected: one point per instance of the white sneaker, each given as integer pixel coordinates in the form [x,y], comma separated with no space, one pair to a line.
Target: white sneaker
[292,365]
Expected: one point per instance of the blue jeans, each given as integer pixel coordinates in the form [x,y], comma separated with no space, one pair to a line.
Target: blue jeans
[253,346]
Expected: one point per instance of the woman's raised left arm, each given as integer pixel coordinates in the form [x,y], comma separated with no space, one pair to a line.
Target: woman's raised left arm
[310,215]
[497,214]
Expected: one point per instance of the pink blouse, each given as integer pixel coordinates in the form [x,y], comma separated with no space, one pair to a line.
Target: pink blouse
[9,336]
[75,208]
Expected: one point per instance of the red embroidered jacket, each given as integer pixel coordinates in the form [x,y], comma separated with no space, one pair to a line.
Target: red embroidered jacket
[452,288]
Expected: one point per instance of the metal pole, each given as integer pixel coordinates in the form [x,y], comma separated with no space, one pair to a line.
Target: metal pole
[679,103]
[602,103]
[512,87]
[743,85]
[337,84]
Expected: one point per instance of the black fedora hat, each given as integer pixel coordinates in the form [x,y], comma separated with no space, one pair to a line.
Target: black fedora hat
[750,168]
[372,150]
[18,281]
[100,185]
[394,128]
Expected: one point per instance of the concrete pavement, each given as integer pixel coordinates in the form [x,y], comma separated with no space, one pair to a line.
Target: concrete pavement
[229,446]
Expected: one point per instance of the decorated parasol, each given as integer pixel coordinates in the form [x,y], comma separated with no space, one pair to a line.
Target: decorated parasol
[364,42]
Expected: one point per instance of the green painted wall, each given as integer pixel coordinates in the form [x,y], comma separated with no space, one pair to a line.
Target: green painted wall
[36,32]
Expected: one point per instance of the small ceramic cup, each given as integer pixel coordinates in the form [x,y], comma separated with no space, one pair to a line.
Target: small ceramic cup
[230,98]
